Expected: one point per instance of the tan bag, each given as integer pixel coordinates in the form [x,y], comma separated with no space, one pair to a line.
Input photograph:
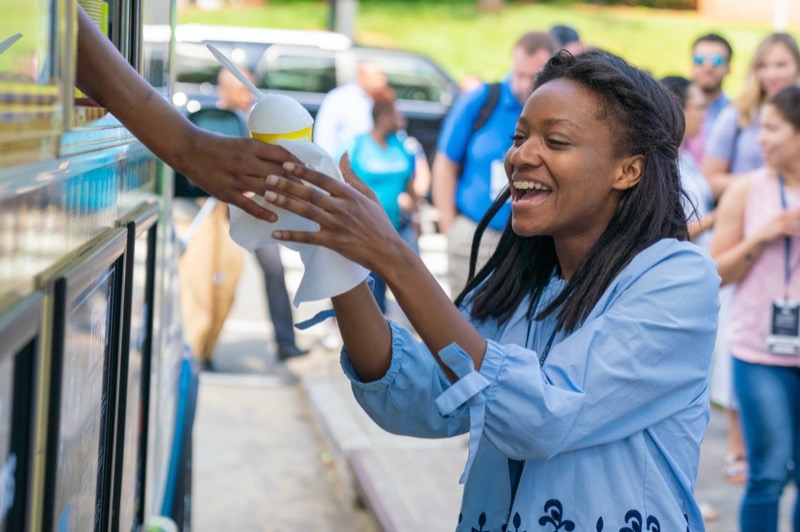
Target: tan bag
[209,271]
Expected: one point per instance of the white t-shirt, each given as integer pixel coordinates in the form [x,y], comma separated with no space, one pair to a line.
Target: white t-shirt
[345,113]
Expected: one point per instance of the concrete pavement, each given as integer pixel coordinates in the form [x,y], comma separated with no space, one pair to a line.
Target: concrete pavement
[285,446]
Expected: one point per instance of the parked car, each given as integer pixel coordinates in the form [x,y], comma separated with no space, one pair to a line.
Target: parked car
[306,65]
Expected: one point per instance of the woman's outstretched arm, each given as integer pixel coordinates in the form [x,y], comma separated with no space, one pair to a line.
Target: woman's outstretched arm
[353,223]
[228,168]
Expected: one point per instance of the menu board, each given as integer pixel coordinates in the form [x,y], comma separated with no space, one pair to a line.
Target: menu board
[83,412]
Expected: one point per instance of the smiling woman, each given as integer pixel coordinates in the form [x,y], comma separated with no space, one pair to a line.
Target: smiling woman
[577,359]
[607,149]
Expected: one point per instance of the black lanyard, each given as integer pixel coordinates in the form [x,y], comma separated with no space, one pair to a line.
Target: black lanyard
[515,466]
[547,347]
[787,242]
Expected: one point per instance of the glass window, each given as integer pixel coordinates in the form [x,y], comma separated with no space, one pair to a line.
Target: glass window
[312,72]
[82,455]
[195,64]
[25,43]
[31,113]
[412,76]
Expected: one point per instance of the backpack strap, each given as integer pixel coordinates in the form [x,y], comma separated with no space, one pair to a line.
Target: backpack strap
[487,108]
[485,112]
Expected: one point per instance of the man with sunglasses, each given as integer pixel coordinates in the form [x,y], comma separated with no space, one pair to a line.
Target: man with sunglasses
[711,58]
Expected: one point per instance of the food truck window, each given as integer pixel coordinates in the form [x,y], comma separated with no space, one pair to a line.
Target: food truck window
[26,41]
[19,328]
[87,299]
[30,89]
[134,384]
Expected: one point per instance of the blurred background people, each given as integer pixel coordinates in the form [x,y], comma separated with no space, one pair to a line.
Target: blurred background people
[567,38]
[234,96]
[757,248]
[468,171]
[346,111]
[382,161]
[231,94]
[699,202]
[711,64]
[732,149]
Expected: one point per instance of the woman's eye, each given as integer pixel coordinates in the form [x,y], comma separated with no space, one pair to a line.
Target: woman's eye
[556,143]
[518,138]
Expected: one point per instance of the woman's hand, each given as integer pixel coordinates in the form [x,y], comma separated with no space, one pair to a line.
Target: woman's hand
[232,169]
[785,224]
[352,221]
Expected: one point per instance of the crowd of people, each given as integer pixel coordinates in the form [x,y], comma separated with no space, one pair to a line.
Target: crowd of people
[594,212]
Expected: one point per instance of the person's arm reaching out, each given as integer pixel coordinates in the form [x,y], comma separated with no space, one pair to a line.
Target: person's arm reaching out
[353,223]
[225,167]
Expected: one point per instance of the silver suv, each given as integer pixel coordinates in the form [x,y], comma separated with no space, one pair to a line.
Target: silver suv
[306,65]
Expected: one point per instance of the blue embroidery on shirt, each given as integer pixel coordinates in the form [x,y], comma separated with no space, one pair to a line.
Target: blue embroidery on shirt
[481,523]
[554,517]
[517,522]
[634,519]
[556,514]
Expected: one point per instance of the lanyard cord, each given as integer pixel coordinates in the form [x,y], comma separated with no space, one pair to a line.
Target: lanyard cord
[547,347]
[787,242]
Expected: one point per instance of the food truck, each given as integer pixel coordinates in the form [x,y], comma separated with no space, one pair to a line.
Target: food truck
[97,391]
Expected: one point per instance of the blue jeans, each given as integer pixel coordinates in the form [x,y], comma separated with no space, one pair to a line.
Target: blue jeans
[769,399]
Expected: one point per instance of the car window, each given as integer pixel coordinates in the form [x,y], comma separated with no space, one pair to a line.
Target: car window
[242,53]
[299,72]
[413,77]
[195,64]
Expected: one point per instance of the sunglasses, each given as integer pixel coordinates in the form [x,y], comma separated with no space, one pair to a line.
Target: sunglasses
[716,60]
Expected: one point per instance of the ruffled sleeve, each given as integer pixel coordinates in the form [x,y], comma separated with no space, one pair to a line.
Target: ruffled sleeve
[403,400]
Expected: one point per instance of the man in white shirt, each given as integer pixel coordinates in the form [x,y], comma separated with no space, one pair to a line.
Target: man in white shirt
[346,111]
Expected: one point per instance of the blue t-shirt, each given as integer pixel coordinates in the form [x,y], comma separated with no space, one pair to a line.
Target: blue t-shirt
[385,170]
[482,174]
[735,144]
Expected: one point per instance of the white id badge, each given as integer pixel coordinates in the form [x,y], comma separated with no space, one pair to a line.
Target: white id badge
[784,328]
[497,180]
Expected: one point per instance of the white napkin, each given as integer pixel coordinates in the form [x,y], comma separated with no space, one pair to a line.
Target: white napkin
[327,274]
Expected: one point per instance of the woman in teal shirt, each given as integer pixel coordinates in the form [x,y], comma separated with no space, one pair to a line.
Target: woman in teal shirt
[384,164]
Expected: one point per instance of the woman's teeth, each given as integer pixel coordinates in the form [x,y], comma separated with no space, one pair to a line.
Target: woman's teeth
[529,185]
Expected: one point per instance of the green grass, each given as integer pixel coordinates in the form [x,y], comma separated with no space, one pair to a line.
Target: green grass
[466,42]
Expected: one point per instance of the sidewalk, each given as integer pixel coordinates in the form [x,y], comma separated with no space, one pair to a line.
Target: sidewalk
[291,440]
